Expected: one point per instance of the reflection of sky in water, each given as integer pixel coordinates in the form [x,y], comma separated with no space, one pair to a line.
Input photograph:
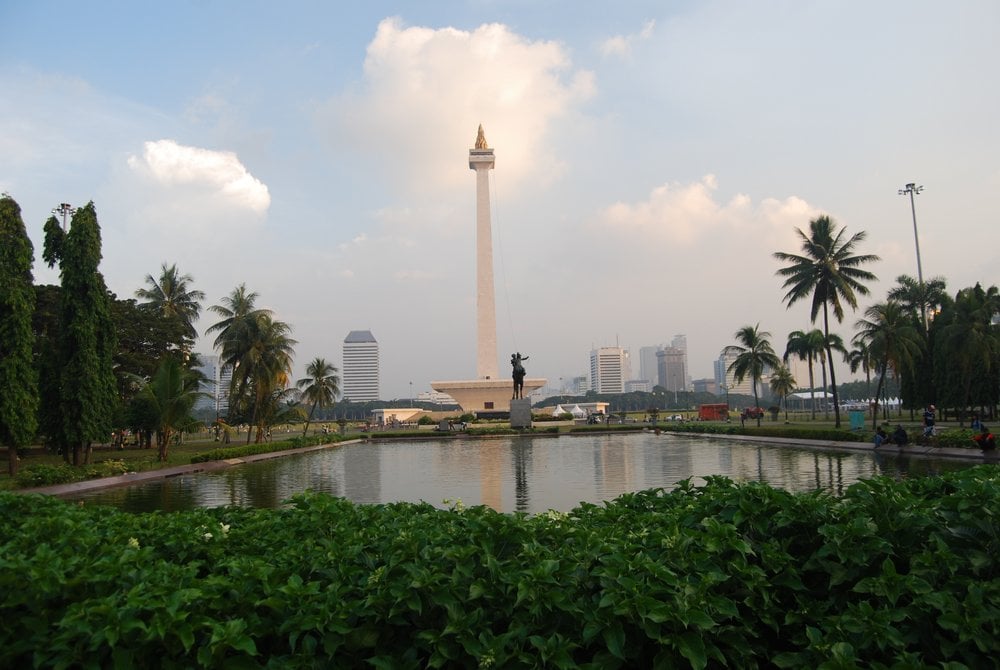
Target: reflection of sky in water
[513,474]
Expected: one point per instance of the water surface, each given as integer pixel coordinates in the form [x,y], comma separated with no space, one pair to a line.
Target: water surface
[527,474]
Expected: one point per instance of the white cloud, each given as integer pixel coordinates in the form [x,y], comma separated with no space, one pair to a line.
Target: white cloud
[688,213]
[215,174]
[621,45]
[425,91]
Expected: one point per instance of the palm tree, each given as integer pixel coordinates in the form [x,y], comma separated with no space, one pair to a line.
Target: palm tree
[265,367]
[919,298]
[860,358]
[782,384]
[169,399]
[806,346]
[892,340]
[753,354]
[321,386]
[829,272]
[235,332]
[171,297]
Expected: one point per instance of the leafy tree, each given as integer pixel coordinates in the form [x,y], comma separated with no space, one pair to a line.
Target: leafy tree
[970,347]
[753,354]
[171,296]
[806,346]
[235,330]
[169,400]
[47,328]
[782,384]
[18,381]
[892,340]
[920,300]
[87,344]
[320,387]
[860,358]
[829,272]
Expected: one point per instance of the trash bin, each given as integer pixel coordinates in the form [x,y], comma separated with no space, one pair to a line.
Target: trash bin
[857,419]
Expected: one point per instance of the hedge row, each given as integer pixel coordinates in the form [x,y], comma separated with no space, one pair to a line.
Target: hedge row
[892,574]
[241,450]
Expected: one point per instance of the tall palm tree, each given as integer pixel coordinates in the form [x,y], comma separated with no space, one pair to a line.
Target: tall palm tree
[860,358]
[265,367]
[829,271]
[808,347]
[239,315]
[172,297]
[919,298]
[321,387]
[753,354]
[782,384]
[892,340]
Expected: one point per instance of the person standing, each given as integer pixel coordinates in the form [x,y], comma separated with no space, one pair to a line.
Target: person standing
[929,420]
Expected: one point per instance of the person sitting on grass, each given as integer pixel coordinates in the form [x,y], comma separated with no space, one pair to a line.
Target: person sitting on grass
[881,437]
[984,438]
[899,436]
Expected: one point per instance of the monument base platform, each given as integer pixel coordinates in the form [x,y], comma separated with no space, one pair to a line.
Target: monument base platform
[520,413]
[478,395]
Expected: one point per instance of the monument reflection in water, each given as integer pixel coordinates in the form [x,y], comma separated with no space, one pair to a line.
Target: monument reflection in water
[523,474]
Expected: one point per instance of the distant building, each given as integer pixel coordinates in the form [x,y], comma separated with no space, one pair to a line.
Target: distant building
[638,385]
[608,369]
[579,385]
[215,386]
[359,377]
[647,362]
[706,385]
[726,380]
[436,397]
[671,365]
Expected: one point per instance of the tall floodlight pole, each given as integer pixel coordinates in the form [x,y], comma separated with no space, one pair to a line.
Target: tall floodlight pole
[65,209]
[911,190]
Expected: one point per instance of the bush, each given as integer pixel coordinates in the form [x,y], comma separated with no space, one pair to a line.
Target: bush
[893,574]
[241,450]
[47,475]
[426,420]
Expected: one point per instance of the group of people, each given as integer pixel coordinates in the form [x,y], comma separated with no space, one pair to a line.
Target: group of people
[984,438]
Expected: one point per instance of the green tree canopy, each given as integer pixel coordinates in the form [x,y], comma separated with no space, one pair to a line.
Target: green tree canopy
[892,340]
[18,381]
[172,297]
[754,353]
[320,387]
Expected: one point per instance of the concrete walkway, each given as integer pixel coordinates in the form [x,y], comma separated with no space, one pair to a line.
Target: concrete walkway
[915,450]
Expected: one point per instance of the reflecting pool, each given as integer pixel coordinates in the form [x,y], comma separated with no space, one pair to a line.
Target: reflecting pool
[526,474]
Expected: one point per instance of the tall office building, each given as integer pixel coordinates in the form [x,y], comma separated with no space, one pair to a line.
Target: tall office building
[359,374]
[215,386]
[725,379]
[671,364]
[647,364]
[609,367]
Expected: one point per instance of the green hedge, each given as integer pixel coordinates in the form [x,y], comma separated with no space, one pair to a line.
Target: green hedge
[709,428]
[241,450]
[604,428]
[893,574]
[44,474]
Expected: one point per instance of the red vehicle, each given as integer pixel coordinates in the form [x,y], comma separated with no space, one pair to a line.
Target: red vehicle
[719,412]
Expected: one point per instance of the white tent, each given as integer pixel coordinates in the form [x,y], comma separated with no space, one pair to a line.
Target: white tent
[577,412]
[558,410]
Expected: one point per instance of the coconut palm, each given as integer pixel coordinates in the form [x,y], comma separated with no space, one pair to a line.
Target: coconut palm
[172,297]
[919,298]
[782,384]
[321,387]
[829,272]
[235,333]
[808,347]
[753,354]
[265,366]
[891,338]
[169,399]
[860,358]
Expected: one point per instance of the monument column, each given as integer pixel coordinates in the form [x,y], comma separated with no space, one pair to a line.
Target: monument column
[481,160]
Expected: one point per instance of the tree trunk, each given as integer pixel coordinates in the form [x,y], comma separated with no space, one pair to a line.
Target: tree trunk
[833,375]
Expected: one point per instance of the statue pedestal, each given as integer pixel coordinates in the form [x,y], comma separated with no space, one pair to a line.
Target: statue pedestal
[520,413]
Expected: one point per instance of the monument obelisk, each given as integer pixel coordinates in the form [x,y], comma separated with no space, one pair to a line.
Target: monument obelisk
[488,392]
[481,160]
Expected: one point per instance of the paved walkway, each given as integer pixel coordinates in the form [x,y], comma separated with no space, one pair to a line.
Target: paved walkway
[920,451]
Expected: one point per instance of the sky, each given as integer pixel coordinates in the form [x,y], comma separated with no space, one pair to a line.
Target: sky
[650,158]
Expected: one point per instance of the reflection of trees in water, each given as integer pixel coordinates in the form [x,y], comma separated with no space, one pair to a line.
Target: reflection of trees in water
[520,452]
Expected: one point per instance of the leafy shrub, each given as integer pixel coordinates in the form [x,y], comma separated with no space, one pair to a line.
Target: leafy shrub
[241,450]
[603,427]
[893,574]
[956,437]
[426,420]
[47,475]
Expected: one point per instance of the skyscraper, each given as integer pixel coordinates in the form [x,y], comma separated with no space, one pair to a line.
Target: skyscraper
[671,364]
[609,367]
[360,372]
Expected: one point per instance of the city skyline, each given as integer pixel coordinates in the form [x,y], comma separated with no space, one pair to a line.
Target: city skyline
[649,160]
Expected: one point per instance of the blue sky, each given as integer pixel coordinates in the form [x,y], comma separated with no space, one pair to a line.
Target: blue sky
[650,156]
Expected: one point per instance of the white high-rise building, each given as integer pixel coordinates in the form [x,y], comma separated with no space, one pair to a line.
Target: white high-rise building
[609,367]
[360,370]
[215,385]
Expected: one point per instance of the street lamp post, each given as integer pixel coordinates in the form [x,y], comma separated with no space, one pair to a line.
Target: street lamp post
[912,190]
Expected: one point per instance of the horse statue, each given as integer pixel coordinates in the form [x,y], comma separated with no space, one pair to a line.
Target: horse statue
[517,363]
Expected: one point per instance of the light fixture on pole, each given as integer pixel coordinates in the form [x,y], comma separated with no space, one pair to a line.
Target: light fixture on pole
[65,209]
[911,190]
